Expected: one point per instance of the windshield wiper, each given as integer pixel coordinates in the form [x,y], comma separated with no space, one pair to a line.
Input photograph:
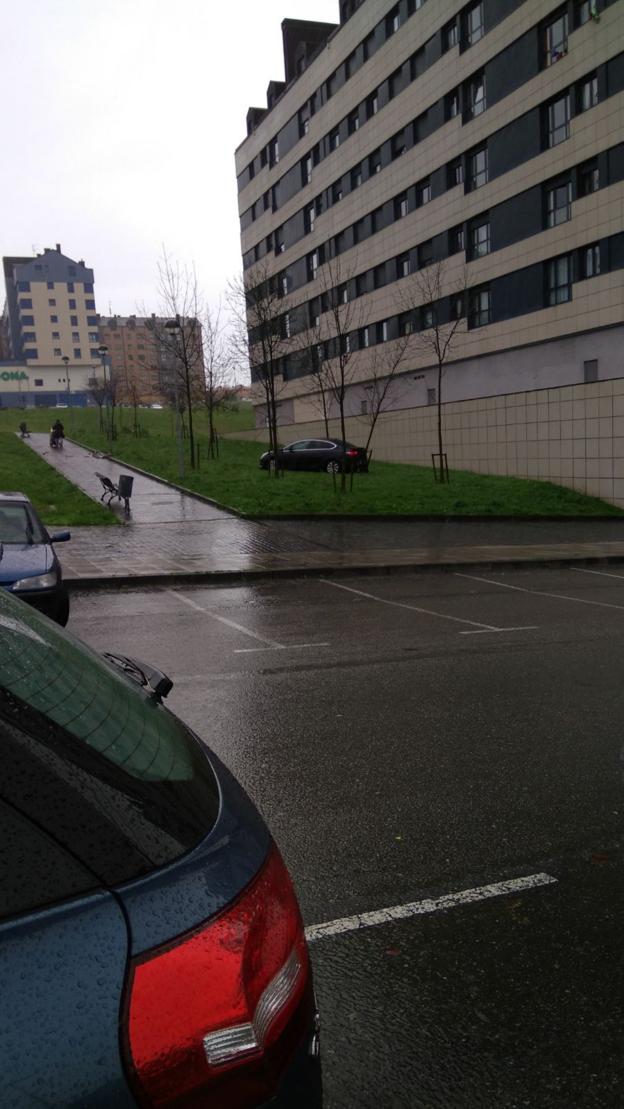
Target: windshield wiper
[146,676]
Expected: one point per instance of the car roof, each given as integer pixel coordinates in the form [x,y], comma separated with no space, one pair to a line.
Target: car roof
[13,498]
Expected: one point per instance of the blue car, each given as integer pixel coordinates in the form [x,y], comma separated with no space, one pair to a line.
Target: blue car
[28,563]
[152,951]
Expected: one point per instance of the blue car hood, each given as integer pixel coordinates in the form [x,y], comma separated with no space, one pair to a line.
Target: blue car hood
[25,560]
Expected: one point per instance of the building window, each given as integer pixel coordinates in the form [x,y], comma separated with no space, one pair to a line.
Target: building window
[90,305]
[590,371]
[454,173]
[330,86]
[559,204]
[426,317]
[406,322]
[38,382]
[70,287]
[49,284]
[475,95]
[374,163]
[397,144]
[336,192]
[372,105]
[27,321]
[51,302]
[312,262]
[588,178]
[584,10]
[77,352]
[393,22]
[587,93]
[401,207]
[379,276]
[94,337]
[480,308]
[477,168]
[284,285]
[555,38]
[56,334]
[304,122]
[23,286]
[361,284]
[92,321]
[425,254]
[381,330]
[57,352]
[25,302]
[345,344]
[356,178]
[343,294]
[359,228]
[475,29]
[310,216]
[558,121]
[334,139]
[353,122]
[75,337]
[403,265]
[450,36]
[364,338]
[29,337]
[590,260]
[274,153]
[431,396]
[306,169]
[88,287]
[73,320]
[480,238]
[72,303]
[94,353]
[451,104]
[457,239]
[559,280]
[423,192]
[456,306]
[53,319]
[30,352]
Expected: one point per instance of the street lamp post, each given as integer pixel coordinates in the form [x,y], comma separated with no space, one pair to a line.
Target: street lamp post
[65,361]
[103,351]
[174,329]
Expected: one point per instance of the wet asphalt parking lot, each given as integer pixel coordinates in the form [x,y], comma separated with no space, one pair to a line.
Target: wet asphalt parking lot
[449,747]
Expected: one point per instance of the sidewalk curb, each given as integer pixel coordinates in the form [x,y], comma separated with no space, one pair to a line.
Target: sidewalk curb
[233,577]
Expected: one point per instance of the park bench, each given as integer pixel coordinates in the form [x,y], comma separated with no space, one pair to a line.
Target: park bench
[121,492]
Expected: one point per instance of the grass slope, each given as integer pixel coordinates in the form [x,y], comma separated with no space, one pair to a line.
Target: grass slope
[390,488]
[55,498]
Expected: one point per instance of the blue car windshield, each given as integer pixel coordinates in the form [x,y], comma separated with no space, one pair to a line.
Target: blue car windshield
[18,524]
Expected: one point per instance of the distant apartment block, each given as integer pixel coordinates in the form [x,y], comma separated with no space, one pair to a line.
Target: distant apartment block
[50,329]
[142,357]
[486,135]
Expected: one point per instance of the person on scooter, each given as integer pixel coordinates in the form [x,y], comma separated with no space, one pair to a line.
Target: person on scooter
[57,434]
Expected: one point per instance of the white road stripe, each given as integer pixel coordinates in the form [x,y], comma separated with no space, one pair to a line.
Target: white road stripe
[284,647]
[540,592]
[482,629]
[410,608]
[229,623]
[600,573]
[429,905]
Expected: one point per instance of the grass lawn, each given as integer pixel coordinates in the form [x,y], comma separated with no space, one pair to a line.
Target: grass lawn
[390,488]
[56,500]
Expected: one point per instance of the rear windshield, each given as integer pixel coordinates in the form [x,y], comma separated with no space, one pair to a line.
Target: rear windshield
[18,524]
[91,757]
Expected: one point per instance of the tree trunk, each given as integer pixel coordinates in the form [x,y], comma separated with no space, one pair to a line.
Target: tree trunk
[440,444]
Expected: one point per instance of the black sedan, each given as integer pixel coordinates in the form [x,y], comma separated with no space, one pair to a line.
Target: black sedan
[332,455]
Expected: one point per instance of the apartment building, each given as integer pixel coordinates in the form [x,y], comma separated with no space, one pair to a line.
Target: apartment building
[145,357]
[485,139]
[51,329]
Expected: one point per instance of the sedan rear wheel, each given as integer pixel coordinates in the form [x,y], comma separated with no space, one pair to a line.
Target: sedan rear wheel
[333,467]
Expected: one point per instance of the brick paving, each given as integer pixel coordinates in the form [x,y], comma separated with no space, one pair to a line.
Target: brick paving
[173,534]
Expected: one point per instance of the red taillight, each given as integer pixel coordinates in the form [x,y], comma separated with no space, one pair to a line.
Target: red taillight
[210,1015]
[352,454]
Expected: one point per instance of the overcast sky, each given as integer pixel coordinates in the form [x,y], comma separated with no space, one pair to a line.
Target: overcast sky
[119,125]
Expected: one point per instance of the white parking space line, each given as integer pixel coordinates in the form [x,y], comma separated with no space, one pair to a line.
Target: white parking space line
[229,623]
[429,905]
[540,592]
[425,611]
[600,573]
[269,644]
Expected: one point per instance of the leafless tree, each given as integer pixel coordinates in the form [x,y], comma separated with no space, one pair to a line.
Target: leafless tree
[98,392]
[322,398]
[336,338]
[260,336]
[434,308]
[178,333]
[218,389]
[382,379]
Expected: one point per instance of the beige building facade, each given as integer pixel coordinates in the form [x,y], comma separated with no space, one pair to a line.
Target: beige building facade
[485,139]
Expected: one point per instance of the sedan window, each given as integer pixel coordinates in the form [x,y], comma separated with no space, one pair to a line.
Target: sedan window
[18,525]
[301,446]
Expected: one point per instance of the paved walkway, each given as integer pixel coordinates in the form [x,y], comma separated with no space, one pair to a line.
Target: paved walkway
[171,534]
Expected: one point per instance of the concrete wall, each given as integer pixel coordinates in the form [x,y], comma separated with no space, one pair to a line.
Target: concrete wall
[572,435]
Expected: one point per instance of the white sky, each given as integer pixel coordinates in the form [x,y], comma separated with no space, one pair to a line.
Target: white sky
[119,124]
